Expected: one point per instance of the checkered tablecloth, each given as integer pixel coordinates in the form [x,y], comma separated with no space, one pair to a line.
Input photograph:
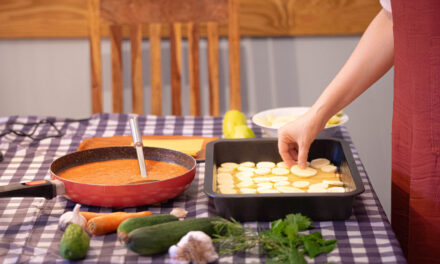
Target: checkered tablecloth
[29,226]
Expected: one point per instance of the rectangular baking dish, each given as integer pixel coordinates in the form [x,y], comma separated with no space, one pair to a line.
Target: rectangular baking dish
[268,207]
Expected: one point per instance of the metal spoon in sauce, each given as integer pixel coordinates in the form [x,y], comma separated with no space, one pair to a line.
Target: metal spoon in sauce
[137,141]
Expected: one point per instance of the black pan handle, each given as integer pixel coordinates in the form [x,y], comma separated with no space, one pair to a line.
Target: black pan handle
[46,189]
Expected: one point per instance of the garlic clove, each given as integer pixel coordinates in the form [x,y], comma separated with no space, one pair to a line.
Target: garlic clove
[179,213]
[73,217]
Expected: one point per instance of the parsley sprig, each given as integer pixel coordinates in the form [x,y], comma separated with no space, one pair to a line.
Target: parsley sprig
[282,243]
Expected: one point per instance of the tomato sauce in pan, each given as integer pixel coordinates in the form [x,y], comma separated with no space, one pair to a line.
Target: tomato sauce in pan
[120,172]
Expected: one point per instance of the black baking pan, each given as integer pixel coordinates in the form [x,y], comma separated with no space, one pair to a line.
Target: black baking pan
[268,207]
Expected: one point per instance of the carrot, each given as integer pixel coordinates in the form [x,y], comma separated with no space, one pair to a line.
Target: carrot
[90,215]
[104,224]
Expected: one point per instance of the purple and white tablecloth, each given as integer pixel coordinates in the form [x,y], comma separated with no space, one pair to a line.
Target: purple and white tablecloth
[29,226]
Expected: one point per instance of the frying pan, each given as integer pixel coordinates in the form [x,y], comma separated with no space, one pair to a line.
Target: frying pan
[108,195]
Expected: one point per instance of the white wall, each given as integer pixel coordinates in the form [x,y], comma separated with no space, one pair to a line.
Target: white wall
[51,77]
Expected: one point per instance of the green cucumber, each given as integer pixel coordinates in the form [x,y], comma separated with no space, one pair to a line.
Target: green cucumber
[131,224]
[157,239]
[74,243]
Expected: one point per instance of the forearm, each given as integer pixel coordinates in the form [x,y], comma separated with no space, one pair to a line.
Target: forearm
[371,59]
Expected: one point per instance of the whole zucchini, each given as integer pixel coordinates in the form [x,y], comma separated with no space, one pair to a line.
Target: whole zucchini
[157,239]
[131,224]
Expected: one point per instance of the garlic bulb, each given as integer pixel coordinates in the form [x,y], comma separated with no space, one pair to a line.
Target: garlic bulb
[195,247]
[73,217]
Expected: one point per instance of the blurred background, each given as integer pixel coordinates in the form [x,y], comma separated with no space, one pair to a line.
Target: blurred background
[290,51]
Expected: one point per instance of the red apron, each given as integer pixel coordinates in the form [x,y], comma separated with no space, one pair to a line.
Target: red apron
[415,210]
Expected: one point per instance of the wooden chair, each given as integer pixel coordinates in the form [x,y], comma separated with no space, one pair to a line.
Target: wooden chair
[157,14]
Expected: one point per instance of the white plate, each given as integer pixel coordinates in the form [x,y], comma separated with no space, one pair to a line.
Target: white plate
[289,111]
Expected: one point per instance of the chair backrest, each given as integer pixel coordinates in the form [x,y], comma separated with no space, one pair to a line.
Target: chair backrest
[157,14]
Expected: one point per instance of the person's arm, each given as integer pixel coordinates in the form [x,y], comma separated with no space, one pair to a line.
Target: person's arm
[370,60]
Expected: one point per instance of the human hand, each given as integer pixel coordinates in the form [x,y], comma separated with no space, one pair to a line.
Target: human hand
[295,138]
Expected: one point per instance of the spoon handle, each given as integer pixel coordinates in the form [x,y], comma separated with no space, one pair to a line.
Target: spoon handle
[137,141]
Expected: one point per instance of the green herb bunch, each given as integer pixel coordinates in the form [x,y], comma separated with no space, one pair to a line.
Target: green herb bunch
[282,243]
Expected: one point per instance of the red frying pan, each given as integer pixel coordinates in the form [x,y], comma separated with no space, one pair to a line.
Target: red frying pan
[108,195]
